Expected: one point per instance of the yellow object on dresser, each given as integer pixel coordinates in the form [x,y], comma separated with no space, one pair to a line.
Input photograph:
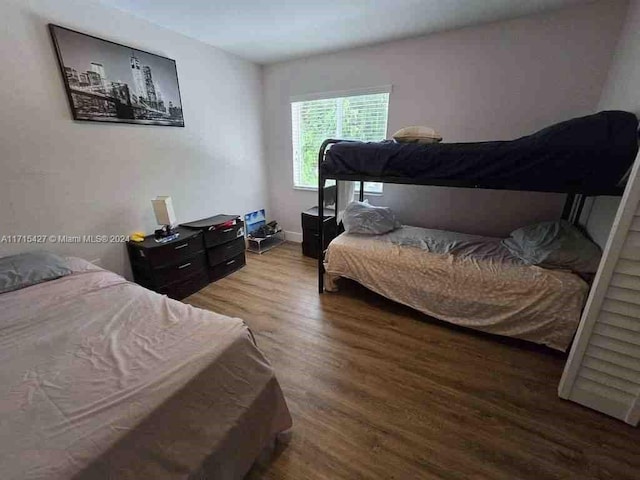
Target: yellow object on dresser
[137,236]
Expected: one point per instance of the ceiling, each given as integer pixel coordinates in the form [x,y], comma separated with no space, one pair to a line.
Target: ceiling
[270,31]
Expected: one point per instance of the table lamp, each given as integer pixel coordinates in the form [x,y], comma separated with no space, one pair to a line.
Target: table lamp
[165,216]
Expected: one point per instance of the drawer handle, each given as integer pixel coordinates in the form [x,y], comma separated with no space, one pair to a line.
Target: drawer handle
[231,262]
[227,230]
[181,246]
[184,266]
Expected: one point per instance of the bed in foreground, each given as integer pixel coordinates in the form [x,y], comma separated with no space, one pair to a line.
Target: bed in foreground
[477,284]
[101,378]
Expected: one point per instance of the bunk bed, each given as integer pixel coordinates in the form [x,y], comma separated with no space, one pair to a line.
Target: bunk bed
[581,157]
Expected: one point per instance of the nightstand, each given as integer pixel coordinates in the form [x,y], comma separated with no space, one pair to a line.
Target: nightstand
[310,234]
[177,268]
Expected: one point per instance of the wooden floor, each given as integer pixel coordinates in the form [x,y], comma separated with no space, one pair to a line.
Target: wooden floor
[378,391]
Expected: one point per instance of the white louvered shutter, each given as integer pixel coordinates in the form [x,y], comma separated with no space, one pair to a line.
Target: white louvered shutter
[603,369]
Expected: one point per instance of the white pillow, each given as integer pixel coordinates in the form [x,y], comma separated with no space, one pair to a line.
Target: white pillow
[360,217]
[417,134]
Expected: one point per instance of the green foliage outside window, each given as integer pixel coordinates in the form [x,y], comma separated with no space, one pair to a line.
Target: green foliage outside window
[362,117]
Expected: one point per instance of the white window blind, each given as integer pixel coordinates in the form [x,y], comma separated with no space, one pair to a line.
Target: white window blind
[347,116]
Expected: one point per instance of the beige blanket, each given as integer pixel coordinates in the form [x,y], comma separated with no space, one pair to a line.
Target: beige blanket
[477,284]
[101,378]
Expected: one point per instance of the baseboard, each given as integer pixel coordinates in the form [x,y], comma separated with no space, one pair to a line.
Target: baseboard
[293,237]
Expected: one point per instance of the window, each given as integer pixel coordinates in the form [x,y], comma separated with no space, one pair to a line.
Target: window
[353,116]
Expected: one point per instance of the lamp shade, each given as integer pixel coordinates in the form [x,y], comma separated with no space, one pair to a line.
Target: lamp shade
[163,208]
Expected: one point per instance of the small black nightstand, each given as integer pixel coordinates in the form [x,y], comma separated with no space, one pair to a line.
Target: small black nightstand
[177,268]
[310,236]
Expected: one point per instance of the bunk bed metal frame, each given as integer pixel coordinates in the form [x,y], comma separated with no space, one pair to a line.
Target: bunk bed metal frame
[571,211]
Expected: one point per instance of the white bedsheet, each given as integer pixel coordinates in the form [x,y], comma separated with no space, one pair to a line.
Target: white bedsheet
[101,378]
[477,283]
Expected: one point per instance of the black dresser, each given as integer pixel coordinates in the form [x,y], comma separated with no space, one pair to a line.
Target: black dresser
[177,268]
[223,242]
[310,234]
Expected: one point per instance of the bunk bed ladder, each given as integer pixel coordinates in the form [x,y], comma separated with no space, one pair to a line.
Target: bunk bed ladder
[603,368]
[321,184]
[573,206]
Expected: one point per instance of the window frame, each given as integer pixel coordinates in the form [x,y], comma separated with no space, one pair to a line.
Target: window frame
[332,95]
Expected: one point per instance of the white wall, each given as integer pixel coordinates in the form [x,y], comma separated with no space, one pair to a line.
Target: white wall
[490,82]
[65,177]
[621,92]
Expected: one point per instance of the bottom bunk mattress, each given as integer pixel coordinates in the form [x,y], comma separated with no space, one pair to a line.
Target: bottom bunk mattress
[101,378]
[464,279]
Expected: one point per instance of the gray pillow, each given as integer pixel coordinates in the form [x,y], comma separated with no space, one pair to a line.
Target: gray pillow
[556,244]
[25,269]
[360,217]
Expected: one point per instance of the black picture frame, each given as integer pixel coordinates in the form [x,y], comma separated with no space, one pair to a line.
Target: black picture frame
[132,95]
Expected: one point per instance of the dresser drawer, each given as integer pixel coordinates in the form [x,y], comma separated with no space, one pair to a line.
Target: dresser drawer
[174,252]
[225,268]
[179,271]
[185,287]
[219,236]
[226,251]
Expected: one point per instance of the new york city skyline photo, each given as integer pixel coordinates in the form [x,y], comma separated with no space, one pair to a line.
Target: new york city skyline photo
[110,82]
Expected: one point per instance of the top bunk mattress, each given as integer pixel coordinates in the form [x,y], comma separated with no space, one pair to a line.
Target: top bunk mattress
[467,280]
[588,155]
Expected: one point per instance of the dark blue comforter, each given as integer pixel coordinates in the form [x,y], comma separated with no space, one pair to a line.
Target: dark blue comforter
[587,155]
